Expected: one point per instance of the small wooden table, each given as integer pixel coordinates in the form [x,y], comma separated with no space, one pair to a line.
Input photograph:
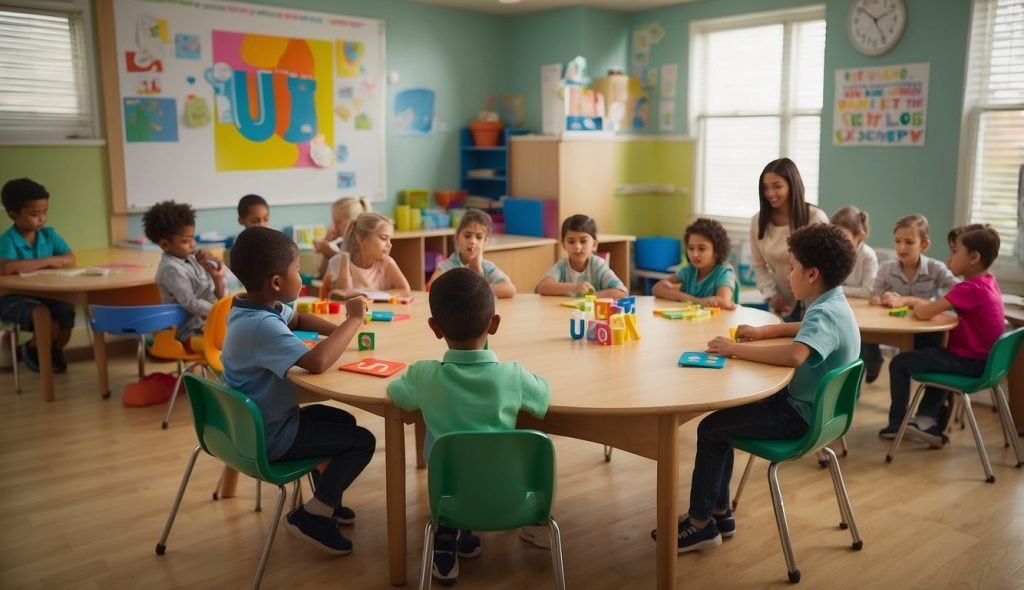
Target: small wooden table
[1015,315]
[632,397]
[878,327]
[129,286]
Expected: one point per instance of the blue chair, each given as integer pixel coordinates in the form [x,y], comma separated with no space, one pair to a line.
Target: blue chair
[137,320]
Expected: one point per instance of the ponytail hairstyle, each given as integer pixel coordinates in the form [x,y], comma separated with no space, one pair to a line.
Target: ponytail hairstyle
[361,227]
[799,210]
[852,219]
[351,207]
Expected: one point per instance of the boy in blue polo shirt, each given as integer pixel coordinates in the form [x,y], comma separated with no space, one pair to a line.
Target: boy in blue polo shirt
[27,246]
[820,258]
[468,390]
[260,348]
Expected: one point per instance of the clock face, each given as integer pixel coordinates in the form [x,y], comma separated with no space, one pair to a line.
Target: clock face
[875,26]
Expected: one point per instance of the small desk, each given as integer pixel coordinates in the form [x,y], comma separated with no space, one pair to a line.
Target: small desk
[878,327]
[121,287]
[632,397]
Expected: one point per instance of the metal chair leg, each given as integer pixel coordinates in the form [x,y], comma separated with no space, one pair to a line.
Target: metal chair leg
[989,476]
[843,518]
[216,490]
[1008,426]
[161,545]
[259,491]
[140,356]
[557,560]
[845,506]
[846,449]
[903,425]
[743,483]
[608,454]
[270,538]
[174,394]
[780,520]
[822,459]
[428,556]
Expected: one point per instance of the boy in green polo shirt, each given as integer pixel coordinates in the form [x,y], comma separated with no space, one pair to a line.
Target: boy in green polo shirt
[468,390]
[27,246]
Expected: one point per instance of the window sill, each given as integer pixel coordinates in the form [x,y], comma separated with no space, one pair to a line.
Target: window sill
[85,142]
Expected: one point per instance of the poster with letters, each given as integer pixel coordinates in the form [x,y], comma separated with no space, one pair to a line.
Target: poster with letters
[881,106]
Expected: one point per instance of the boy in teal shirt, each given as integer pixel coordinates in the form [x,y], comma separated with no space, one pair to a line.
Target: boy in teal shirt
[27,246]
[820,258]
[469,390]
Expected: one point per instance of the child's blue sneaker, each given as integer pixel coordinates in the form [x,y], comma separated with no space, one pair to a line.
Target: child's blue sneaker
[469,544]
[344,515]
[889,432]
[319,531]
[726,523]
[446,561]
[693,539]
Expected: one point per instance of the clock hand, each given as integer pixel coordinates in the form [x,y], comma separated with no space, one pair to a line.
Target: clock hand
[880,33]
[864,10]
[883,15]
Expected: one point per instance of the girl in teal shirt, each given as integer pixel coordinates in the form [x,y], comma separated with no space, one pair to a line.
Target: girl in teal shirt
[708,279]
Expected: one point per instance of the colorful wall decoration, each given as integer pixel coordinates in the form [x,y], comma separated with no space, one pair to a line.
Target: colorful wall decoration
[882,106]
[221,99]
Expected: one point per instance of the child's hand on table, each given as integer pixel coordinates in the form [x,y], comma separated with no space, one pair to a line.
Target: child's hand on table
[721,345]
[355,308]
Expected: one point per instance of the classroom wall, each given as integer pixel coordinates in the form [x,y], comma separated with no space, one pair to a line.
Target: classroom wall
[887,182]
[459,54]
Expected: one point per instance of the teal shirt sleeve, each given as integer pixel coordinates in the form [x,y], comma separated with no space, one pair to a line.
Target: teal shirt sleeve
[726,278]
[820,335]
[7,251]
[604,276]
[59,246]
[536,393]
[555,272]
[401,390]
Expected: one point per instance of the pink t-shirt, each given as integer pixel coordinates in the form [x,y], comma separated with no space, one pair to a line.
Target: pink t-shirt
[376,277]
[979,305]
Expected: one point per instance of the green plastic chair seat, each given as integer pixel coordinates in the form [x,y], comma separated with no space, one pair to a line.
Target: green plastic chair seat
[491,481]
[957,382]
[776,451]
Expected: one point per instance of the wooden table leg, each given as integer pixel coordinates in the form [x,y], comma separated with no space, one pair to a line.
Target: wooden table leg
[421,432]
[394,451]
[228,483]
[99,348]
[41,320]
[668,488]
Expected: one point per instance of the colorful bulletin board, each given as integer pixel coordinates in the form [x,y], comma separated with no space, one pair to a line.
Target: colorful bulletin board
[883,106]
[221,99]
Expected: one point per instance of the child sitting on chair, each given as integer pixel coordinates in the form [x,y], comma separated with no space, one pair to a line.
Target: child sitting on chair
[708,279]
[470,240]
[581,271]
[253,211]
[820,259]
[978,302]
[260,348]
[468,390]
[364,263]
[193,279]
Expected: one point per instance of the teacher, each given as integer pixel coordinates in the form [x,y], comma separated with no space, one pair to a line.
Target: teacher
[783,211]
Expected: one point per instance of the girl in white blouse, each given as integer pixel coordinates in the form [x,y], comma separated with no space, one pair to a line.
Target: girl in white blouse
[854,224]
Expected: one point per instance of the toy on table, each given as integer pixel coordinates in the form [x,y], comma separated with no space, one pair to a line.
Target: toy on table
[701,359]
[732,333]
[375,367]
[692,311]
[605,321]
[899,312]
[366,341]
[309,337]
[320,307]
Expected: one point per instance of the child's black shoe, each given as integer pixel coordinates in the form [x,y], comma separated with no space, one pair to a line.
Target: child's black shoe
[319,531]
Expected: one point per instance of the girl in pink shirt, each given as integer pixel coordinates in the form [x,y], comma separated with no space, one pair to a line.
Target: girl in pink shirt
[979,305]
[364,263]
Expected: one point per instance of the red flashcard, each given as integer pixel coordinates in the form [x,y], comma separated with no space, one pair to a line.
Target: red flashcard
[375,367]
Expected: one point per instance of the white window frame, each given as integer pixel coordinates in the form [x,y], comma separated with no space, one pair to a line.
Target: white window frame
[739,227]
[1006,268]
[81,11]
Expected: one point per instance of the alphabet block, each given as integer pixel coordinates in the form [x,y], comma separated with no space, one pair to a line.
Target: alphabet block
[366,341]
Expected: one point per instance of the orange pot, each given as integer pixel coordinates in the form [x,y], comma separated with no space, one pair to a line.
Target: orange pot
[485,133]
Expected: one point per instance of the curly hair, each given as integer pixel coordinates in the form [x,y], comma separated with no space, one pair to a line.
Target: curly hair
[714,232]
[19,191]
[165,220]
[462,304]
[261,252]
[826,248]
[977,237]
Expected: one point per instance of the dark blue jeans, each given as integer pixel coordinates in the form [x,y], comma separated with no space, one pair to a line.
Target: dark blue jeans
[872,354]
[933,360]
[19,308]
[332,432]
[772,418]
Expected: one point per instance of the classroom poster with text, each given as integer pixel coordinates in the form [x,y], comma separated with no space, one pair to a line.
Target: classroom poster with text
[881,106]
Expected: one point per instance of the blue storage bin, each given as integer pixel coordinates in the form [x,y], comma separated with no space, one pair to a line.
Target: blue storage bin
[657,253]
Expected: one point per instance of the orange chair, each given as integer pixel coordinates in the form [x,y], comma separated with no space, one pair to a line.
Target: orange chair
[166,346]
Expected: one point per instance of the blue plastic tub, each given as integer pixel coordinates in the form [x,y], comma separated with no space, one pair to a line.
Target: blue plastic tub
[657,253]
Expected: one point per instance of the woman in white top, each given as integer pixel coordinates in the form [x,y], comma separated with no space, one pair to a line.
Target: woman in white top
[783,211]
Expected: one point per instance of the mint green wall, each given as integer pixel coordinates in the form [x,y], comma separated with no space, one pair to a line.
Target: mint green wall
[76,178]
[557,36]
[887,182]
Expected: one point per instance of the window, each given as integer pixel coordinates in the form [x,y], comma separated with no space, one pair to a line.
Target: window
[756,94]
[45,89]
[992,138]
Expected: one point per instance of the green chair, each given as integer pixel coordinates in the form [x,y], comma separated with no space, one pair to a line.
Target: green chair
[998,365]
[229,427]
[491,481]
[830,419]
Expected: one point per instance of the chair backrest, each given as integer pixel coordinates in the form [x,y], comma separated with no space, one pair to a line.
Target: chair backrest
[491,481]
[136,319]
[833,407]
[229,426]
[1000,358]
[214,330]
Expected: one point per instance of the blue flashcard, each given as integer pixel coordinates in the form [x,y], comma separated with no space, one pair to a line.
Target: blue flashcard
[306,335]
[701,359]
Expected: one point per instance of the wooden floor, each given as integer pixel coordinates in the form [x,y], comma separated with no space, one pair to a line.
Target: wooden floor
[86,485]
